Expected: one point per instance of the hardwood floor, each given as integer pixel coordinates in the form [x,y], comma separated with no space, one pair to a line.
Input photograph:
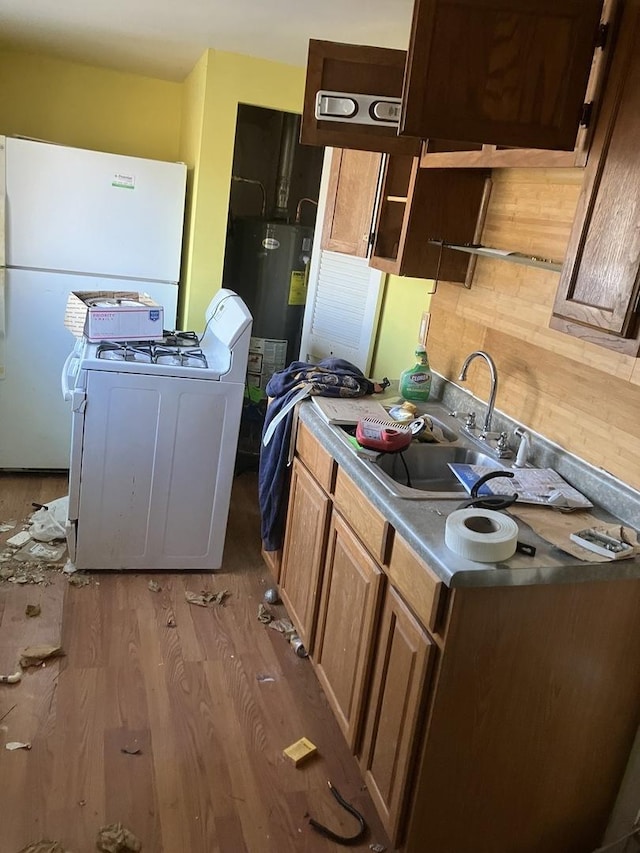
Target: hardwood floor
[210,703]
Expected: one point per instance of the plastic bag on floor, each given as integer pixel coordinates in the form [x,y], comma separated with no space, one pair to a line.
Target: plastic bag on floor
[49,522]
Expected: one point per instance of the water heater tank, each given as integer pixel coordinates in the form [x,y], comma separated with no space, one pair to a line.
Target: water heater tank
[267,265]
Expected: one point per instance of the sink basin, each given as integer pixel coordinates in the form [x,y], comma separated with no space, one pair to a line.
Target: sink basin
[427,474]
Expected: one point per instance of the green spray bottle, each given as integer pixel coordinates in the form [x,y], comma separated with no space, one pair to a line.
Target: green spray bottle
[415,382]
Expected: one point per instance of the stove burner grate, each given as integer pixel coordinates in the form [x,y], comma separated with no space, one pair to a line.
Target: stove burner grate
[152,353]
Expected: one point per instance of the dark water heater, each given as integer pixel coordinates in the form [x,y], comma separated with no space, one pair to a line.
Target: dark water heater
[267,263]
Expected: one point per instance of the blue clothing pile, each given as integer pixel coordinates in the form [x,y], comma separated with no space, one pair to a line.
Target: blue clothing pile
[332,377]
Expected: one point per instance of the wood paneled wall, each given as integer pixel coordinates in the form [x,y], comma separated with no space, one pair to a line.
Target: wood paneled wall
[584,397]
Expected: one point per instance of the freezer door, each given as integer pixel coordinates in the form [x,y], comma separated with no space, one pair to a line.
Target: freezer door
[70,209]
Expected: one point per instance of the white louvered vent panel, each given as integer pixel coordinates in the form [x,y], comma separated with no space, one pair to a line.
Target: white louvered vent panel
[341,298]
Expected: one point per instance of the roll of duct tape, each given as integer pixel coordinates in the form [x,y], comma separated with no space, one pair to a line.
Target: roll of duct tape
[483,535]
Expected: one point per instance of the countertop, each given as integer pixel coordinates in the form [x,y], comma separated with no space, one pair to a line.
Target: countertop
[421,523]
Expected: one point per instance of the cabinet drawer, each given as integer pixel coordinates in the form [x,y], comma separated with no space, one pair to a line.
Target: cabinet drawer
[363,518]
[318,461]
[419,586]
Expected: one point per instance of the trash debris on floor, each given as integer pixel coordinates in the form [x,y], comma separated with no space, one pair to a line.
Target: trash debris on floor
[7,525]
[117,839]
[24,573]
[44,847]
[79,580]
[285,626]
[204,598]
[300,751]
[31,553]
[264,614]
[154,586]
[333,836]
[35,655]
[48,522]
[377,848]
[41,551]
[32,610]
[131,750]
[171,622]
[261,677]
[11,679]
[19,539]
[15,744]
[271,595]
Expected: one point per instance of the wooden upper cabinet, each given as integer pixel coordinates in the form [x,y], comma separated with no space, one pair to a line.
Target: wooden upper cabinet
[351,196]
[418,206]
[598,292]
[507,72]
[357,69]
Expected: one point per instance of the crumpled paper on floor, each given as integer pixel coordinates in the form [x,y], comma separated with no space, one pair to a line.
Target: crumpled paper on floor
[35,655]
[116,838]
[204,598]
[44,847]
[264,614]
[284,626]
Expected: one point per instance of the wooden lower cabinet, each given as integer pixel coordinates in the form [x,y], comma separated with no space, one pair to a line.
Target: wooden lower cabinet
[395,711]
[351,590]
[535,705]
[304,550]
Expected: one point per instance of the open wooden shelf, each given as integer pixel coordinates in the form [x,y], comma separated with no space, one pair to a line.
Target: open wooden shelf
[503,255]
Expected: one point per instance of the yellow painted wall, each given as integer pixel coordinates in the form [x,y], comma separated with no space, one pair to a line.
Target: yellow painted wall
[89,107]
[193,101]
[230,79]
[403,302]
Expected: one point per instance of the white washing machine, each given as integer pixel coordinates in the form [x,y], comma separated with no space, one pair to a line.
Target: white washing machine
[154,436]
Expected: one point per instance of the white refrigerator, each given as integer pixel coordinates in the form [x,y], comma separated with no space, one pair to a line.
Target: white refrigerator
[74,219]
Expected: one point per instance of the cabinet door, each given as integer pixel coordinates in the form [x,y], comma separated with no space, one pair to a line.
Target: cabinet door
[395,710]
[350,596]
[361,70]
[598,291]
[304,550]
[509,72]
[421,205]
[351,196]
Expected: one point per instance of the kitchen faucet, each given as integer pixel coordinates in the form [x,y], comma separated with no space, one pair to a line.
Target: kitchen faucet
[486,428]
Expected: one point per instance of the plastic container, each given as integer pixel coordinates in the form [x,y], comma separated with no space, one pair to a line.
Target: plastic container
[415,382]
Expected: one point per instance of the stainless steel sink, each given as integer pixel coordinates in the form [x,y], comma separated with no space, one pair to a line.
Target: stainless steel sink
[427,474]
[421,471]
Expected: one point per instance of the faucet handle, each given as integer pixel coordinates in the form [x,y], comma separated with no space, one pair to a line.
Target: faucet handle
[502,446]
[469,418]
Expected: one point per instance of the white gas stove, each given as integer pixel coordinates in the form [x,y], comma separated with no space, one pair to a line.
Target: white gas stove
[154,435]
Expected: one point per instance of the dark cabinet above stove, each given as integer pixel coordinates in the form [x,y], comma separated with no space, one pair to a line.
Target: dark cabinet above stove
[507,72]
[511,73]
